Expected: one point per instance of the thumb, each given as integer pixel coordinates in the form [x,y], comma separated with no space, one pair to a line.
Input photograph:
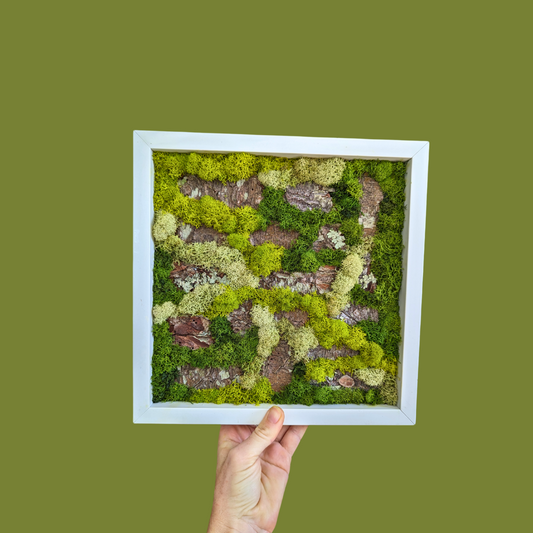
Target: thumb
[265,433]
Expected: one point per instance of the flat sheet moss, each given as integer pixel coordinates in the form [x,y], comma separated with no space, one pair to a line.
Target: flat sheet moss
[376,344]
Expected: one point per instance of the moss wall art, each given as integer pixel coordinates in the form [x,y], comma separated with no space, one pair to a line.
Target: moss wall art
[276,280]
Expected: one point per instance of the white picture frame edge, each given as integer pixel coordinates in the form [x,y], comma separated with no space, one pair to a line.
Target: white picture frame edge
[416,153]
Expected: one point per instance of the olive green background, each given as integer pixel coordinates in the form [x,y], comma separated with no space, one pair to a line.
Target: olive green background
[78,79]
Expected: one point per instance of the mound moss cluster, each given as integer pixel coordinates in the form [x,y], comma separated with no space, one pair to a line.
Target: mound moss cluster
[241,267]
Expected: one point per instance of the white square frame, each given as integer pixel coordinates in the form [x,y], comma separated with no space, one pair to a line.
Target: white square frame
[416,153]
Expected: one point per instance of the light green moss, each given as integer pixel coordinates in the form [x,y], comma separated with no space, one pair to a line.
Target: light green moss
[209,255]
[279,179]
[163,311]
[261,392]
[268,340]
[321,171]
[371,376]
[300,340]
[200,299]
[345,280]
[319,369]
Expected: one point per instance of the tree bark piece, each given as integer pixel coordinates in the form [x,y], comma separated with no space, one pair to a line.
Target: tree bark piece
[240,319]
[190,331]
[370,283]
[307,196]
[234,194]
[332,353]
[297,317]
[353,314]
[302,282]
[278,367]
[275,235]
[372,196]
[208,378]
[189,234]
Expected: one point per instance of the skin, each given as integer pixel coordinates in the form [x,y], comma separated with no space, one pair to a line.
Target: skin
[253,466]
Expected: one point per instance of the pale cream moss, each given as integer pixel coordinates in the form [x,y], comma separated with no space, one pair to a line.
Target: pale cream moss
[301,340]
[364,247]
[389,390]
[268,340]
[164,225]
[279,179]
[337,302]
[228,260]
[199,300]
[344,282]
[321,171]
[371,376]
[163,311]
[268,333]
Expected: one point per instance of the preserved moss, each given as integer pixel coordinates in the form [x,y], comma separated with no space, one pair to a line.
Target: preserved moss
[243,265]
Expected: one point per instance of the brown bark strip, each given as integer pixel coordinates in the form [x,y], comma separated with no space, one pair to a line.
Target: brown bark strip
[234,194]
[308,196]
[303,282]
[208,378]
[190,331]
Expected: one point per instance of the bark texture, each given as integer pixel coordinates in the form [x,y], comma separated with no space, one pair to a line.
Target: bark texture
[302,282]
[372,196]
[307,196]
[234,194]
[278,367]
[208,378]
[275,235]
[191,331]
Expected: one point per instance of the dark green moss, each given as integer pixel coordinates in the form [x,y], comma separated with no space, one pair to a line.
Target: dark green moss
[164,289]
[300,391]
[229,349]
[386,254]
[300,257]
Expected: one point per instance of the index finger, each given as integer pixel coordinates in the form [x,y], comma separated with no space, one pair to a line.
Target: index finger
[292,438]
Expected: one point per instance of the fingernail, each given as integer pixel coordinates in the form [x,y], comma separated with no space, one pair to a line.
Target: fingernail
[274,415]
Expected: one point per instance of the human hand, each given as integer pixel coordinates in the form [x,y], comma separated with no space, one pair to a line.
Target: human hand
[252,473]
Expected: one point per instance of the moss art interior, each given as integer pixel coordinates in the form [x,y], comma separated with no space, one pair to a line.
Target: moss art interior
[276,280]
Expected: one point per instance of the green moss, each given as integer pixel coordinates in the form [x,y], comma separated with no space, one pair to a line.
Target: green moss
[223,167]
[324,172]
[164,289]
[277,299]
[319,369]
[300,257]
[240,242]
[265,259]
[352,231]
[330,257]
[300,391]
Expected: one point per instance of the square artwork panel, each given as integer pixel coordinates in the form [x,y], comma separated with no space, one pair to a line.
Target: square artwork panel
[276,280]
